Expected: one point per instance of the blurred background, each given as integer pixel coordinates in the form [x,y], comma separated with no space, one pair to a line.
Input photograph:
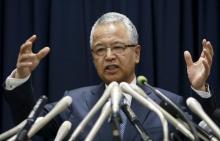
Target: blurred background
[166,28]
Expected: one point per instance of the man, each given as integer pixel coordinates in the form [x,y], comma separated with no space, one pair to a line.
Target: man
[116,52]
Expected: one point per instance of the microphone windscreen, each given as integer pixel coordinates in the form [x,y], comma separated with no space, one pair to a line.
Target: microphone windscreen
[142,80]
[63,131]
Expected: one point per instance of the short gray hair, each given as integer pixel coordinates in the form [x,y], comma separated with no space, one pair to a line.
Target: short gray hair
[113,17]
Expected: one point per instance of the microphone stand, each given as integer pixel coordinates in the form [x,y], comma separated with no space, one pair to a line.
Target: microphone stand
[135,122]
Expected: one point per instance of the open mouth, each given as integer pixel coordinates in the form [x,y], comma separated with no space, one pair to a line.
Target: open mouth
[111,69]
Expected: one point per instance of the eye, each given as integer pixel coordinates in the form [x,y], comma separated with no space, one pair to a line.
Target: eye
[100,50]
[118,48]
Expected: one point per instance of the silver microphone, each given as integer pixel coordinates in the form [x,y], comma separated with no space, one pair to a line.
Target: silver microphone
[106,111]
[127,89]
[12,131]
[62,105]
[63,131]
[92,112]
[196,108]
[178,125]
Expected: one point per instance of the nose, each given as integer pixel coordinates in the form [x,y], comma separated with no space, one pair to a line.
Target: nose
[109,54]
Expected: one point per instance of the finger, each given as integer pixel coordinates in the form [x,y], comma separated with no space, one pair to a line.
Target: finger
[28,56]
[207,67]
[24,64]
[188,58]
[209,48]
[203,42]
[32,38]
[208,56]
[203,45]
[43,52]
[26,48]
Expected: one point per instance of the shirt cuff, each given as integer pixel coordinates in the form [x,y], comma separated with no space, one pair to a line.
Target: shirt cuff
[11,83]
[203,94]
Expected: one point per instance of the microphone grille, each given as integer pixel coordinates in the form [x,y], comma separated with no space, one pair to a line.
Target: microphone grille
[68,99]
[142,80]
[67,124]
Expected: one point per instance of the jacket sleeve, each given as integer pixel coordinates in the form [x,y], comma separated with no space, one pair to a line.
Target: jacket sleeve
[20,100]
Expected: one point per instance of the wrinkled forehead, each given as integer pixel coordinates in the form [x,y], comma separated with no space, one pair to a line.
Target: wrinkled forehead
[110,31]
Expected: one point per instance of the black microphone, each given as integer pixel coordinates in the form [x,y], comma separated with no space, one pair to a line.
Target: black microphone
[22,134]
[135,122]
[167,102]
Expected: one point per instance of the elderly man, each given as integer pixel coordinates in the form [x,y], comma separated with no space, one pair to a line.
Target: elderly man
[116,52]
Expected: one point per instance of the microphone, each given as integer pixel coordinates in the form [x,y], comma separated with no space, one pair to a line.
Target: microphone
[127,89]
[205,132]
[169,104]
[22,134]
[179,124]
[58,108]
[63,131]
[15,136]
[176,123]
[202,131]
[92,112]
[12,131]
[204,126]
[106,111]
[196,108]
[116,96]
[135,122]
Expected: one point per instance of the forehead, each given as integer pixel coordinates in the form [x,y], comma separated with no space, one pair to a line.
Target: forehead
[111,32]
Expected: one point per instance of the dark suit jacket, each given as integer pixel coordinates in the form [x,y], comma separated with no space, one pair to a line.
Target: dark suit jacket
[22,101]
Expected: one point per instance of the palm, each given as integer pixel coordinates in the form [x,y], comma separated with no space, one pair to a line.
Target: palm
[196,73]
[199,71]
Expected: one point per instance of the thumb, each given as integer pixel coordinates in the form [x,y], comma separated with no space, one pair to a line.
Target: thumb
[43,52]
[188,58]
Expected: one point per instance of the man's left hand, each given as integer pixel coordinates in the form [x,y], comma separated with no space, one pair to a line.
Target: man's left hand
[198,71]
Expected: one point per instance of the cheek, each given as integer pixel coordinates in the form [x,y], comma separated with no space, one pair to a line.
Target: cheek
[98,65]
[127,63]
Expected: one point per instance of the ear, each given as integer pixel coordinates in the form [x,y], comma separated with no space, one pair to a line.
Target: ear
[137,54]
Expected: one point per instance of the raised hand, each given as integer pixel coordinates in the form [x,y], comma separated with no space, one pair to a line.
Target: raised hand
[27,60]
[198,72]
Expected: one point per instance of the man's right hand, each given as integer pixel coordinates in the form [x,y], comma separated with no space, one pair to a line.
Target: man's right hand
[27,60]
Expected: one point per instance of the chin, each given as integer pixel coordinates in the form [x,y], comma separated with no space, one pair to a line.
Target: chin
[111,79]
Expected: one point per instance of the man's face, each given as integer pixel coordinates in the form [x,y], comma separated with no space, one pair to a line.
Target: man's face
[114,64]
